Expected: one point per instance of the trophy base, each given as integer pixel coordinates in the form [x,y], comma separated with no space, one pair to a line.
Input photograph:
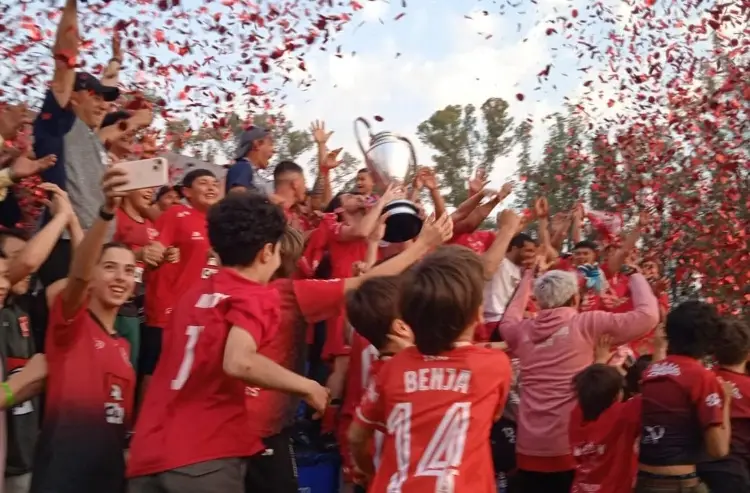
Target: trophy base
[404,222]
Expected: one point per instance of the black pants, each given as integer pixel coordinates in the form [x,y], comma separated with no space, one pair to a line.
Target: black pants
[275,469]
[721,482]
[545,482]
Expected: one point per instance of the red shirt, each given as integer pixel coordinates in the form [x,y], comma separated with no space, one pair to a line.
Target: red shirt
[134,234]
[193,411]
[606,450]
[343,253]
[436,413]
[184,228]
[361,358]
[735,464]
[681,399]
[89,394]
[336,343]
[478,241]
[302,302]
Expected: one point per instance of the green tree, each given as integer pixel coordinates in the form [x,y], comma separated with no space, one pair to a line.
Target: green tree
[527,188]
[464,141]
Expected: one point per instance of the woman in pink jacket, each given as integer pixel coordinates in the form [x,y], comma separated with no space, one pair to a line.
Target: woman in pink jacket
[552,349]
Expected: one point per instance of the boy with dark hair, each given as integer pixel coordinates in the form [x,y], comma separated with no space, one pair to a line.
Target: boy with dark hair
[379,334]
[306,301]
[732,350]
[436,402]
[603,432]
[192,432]
[181,230]
[686,410]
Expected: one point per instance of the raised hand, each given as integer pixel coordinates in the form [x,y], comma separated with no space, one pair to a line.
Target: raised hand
[113,179]
[541,207]
[435,232]
[319,133]
[12,118]
[26,165]
[508,219]
[117,46]
[59,203]
[332,160]
[477,183]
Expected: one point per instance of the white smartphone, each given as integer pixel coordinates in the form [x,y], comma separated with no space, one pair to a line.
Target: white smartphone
[146,173]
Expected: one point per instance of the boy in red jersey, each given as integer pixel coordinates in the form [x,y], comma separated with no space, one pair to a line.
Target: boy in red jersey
[182,231]
[436,402]
[731,474]
[302,302]
[192,435]
[603,432]
[89,391]
[379,334]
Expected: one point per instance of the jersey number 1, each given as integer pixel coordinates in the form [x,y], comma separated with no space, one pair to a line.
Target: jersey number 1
[192,332]
[442,456]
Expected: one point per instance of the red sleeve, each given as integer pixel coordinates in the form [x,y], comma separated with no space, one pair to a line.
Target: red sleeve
[62,332]
[335,344]
[319,299]
[664,301]
[563,263]
[488,237]
[631,415]
[708,398]
[258,317]
[504,373]
[371,410]
[166,226]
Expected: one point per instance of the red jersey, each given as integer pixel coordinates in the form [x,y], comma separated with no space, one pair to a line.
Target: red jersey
[184,228]
[606,450]
[681,399]
[735,464]
[436,413]
[343,253]
[361,358]
[478,241]
[302,302]
[89,395]
[336,343]
[193,411]
[134,234]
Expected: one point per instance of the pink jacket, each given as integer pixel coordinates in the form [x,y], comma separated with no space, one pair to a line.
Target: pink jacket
[552,349]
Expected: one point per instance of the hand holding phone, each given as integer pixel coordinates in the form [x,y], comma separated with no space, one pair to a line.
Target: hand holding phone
[144,173]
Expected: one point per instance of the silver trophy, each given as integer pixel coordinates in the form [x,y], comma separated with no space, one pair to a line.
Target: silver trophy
[391,159]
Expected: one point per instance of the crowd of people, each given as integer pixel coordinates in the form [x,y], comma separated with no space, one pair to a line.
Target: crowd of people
[163,340]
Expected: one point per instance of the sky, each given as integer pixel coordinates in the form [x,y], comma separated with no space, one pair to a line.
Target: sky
[439,52]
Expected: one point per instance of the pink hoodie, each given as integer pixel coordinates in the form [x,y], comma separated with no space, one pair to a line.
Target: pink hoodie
[553,348]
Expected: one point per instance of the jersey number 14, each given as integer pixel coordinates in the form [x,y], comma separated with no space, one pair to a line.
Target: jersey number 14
[443,455]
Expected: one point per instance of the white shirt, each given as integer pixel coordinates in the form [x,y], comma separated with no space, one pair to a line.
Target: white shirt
[499,290]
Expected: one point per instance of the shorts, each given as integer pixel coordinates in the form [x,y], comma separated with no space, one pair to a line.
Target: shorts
[129,328]
[503,444]
[150,349]
[275,469]
[220,475]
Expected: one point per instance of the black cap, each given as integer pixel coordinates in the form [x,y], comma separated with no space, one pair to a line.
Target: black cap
[246,139]
[115,117]
[87,82]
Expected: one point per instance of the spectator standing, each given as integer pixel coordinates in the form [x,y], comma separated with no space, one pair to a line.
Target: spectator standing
[254,151]
[552,349]
[72,111]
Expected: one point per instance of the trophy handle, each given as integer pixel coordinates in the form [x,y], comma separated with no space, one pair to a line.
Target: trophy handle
[357,135]
[414,164]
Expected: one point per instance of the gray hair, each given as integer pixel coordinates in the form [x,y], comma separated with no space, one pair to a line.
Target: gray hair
[555,288]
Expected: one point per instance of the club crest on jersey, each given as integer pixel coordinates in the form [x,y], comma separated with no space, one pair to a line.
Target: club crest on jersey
[23,323]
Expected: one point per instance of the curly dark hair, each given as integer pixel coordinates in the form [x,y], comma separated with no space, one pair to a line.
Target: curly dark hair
[692,329]
[733,344]
[241,224]
[441,297]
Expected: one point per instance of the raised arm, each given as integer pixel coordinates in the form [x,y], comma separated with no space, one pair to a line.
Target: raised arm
[624,327]
[326,162]
[112,72]
[65,52]
[40,245]
[508,223]
[363,228]
[617,259]
[86,256]
[511,325]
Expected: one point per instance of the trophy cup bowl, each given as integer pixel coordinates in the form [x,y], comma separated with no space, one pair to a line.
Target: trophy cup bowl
[391,158]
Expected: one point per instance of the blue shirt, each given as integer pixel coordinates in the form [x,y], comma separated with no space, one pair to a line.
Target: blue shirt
[240,175]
